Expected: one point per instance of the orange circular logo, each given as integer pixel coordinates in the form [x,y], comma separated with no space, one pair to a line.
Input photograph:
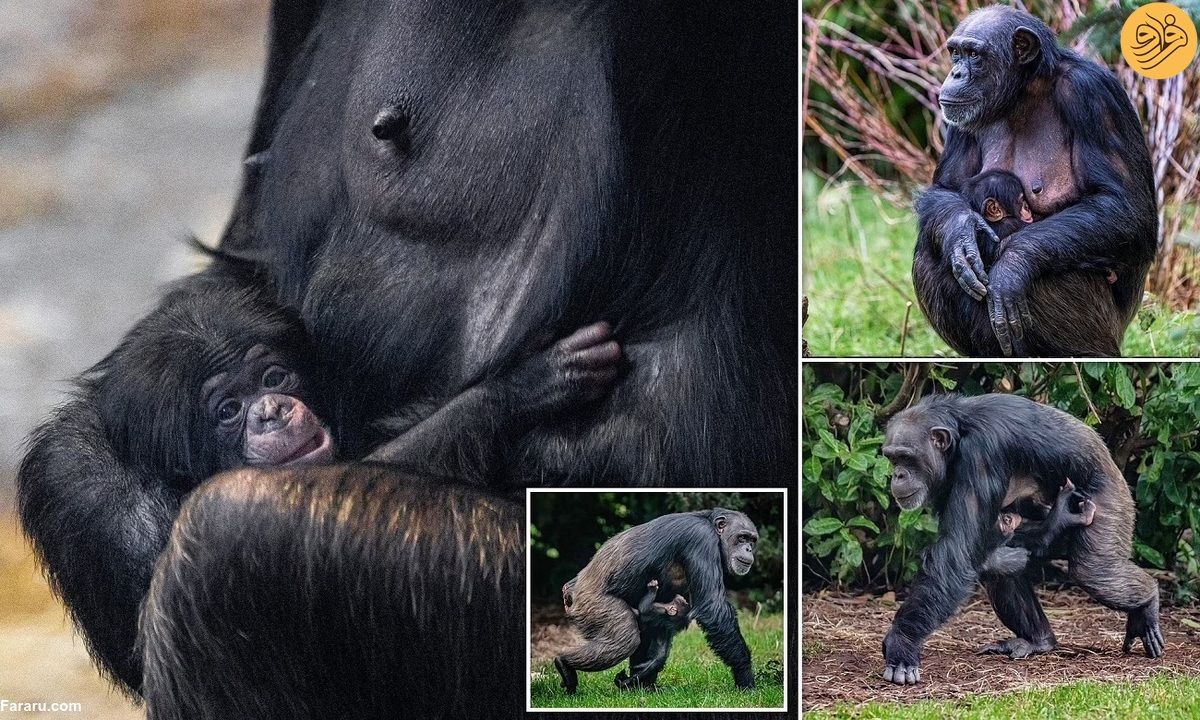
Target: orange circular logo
[1158,40]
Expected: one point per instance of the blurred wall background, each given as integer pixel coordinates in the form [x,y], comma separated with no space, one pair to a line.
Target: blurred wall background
[121,130]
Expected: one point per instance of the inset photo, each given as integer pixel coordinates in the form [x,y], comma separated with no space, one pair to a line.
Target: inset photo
[662,599]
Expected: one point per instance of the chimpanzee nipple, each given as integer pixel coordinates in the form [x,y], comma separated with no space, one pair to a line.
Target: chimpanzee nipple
[390,123]
[1036,187]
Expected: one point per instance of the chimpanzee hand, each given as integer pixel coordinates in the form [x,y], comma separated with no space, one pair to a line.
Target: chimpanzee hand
[1008,306]
[960,243]
[578,369]
[902,658]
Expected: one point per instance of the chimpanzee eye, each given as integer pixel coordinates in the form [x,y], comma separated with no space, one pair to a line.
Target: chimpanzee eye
[229,410]
[274,377]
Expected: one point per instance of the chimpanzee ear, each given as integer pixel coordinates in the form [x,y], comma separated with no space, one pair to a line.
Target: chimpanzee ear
[940,437]
[992,212]
[720,522]
[1025,45]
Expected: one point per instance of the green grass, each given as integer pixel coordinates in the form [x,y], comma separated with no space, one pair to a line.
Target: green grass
[858,277]
[1164,697]
[693,678]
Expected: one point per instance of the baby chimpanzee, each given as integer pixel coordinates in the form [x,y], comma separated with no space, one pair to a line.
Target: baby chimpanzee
[999,197]
[220,377]
[657,618]
[1022,539]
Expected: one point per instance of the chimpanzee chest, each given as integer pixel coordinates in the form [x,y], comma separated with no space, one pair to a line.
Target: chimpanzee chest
[1036,147]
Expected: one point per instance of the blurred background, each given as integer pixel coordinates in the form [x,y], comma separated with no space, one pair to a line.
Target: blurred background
[121,129]
[872,135]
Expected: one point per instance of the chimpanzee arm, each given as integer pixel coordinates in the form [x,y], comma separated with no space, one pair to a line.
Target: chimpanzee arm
[1113,226]
[949,571]
[465,438]
[705,571]
[948,226]
[646,606]
[98,526]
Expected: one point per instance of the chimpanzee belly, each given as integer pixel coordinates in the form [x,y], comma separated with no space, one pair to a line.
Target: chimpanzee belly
[1038,151]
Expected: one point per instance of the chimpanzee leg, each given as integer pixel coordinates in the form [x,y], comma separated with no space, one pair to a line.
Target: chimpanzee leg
[961,320]
[307,593]
[611,630]
[647,662]
[1017,606]
[1100,564]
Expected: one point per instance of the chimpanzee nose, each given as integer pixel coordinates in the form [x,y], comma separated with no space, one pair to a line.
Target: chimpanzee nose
[269,414]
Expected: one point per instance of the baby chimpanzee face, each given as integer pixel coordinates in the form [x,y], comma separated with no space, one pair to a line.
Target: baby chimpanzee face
[256,409]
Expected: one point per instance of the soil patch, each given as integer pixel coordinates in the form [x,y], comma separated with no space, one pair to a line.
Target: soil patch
[842,662]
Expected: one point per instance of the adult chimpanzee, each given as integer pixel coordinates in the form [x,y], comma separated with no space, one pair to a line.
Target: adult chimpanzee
[971,457]
[687,553]
[1016,101]
[437,191]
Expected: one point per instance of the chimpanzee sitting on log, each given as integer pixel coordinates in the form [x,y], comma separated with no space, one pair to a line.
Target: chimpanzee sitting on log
[970,457]
[1015,101]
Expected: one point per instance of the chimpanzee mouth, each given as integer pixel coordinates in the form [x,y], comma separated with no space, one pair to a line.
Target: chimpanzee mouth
[318,448]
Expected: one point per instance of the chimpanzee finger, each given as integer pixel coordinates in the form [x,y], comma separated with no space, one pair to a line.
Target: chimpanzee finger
[976,263]
[586,336]
[597,355]
[1068,486]
[982,224]
[1000,325]
[1023,307]
[1152,642]
[966,277]
[1014,319]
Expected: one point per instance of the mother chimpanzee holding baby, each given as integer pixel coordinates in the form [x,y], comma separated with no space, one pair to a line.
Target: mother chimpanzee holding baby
[434,197]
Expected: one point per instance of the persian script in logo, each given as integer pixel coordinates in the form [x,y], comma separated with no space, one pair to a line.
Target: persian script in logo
[1158,40]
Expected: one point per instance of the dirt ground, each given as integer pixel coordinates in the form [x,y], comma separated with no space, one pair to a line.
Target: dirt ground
[550,634]
[841,638]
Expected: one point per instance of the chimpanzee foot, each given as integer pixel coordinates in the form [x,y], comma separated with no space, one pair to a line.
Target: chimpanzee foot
[570,678]
[626,682]
[1087,512]
[1018,647]
[1140,626]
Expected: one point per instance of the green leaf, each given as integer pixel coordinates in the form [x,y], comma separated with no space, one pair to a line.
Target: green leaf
[1149,554]
[863,522]
[1126,396]
[823,526]
[852,553]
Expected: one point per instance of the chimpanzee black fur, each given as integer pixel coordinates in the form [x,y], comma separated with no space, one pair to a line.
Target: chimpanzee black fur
[688,554]
[1016,101]
[1023,538]
[238,601]
[969,458]
[437,192]
[657,624]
